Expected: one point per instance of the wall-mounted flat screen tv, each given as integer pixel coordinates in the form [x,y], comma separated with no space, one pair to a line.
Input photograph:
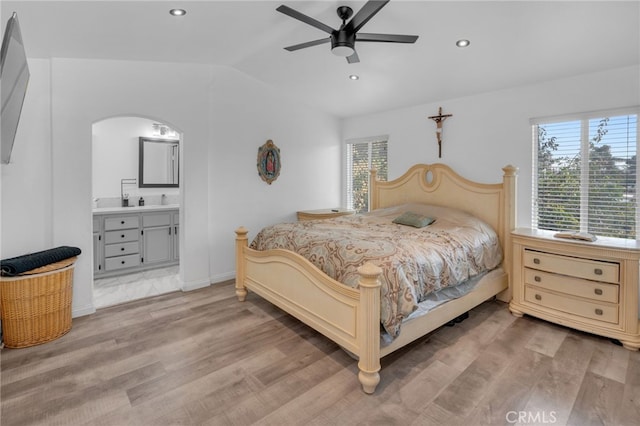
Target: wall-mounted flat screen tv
[14,76]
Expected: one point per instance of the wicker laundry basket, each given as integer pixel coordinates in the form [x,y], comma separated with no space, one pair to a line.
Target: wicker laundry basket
[35,307]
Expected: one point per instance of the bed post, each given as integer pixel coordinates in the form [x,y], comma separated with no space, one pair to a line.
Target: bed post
[509,184]
[373,193]
[369,327]
[241,242]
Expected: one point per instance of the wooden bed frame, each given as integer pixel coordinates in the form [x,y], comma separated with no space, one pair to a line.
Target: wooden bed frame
[351,316]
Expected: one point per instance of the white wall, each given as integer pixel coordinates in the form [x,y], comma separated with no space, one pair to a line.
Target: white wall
[490,130]
[245,114]
[26,181]
[223,117]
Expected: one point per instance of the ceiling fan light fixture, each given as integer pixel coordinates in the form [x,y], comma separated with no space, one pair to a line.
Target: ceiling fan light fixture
[342,44]
[177,12]
[463,43]
[343,51]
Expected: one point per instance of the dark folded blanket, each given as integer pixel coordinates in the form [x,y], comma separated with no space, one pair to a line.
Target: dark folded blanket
[27,262]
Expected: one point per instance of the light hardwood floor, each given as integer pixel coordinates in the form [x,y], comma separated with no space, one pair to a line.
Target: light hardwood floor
[203,358]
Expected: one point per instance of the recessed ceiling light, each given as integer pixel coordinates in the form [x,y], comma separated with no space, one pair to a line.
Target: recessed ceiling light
[178,12]
[463,43]
[354,77]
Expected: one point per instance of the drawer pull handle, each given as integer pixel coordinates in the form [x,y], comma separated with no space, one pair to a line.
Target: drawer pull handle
[598,311]
[121,248]
[122,222]
[597,271]
[122,236]
[598,291]
[537,279]
[122,262]
[536,260]
[538,297]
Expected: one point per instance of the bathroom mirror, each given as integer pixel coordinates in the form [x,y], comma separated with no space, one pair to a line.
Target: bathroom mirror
[158,163]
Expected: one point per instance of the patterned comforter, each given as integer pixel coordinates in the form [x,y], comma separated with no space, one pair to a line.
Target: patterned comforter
[415,261]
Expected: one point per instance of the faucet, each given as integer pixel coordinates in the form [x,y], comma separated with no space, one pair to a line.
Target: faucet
[125,197]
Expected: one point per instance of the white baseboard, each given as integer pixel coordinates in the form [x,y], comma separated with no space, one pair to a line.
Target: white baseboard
[222,277]
[214,279]
[83,311]
[194,285]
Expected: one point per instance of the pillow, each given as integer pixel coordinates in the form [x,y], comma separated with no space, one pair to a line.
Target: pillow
[413,219]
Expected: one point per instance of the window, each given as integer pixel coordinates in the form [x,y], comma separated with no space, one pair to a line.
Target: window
[584,174]
[361,156]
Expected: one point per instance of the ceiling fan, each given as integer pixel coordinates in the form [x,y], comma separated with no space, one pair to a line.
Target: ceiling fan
[343,40]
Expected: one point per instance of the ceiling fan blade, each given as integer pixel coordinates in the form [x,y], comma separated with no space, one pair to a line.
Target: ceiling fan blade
[308,44]
[353,58]
[304,18]
[364,14]
[386,38]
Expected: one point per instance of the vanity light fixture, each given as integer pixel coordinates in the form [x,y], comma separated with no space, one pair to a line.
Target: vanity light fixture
[463,43]
[354,77]
[163,131]
[178,12]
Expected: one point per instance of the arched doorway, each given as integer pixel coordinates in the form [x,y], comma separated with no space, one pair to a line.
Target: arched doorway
[135,209]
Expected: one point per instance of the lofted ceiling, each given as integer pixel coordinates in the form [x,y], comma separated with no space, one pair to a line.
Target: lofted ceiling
[513,43]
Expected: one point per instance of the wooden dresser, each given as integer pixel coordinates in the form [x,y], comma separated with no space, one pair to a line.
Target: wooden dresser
[589,286]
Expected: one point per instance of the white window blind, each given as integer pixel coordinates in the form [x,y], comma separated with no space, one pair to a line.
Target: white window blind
[361,156]
[585,175]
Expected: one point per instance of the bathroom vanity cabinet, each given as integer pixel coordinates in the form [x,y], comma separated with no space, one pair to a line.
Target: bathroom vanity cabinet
[132,239]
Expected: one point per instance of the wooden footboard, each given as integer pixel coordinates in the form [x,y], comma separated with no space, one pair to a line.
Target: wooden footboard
[350,317]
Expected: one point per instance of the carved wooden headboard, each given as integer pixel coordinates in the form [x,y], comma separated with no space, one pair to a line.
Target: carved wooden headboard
[438,184]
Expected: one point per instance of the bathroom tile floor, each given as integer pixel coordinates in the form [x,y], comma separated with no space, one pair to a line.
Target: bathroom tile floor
[125,288]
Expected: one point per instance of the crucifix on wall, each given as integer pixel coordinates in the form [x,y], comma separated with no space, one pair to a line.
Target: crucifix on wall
[439,119]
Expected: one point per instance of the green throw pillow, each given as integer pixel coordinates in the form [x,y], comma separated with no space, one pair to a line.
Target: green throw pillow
[413,219]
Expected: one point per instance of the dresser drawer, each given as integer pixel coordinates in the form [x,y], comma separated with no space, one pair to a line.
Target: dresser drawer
[111,250]
[122,222]
[572,266]
[593,310]
[121,236]
[120,262]
[597,291]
